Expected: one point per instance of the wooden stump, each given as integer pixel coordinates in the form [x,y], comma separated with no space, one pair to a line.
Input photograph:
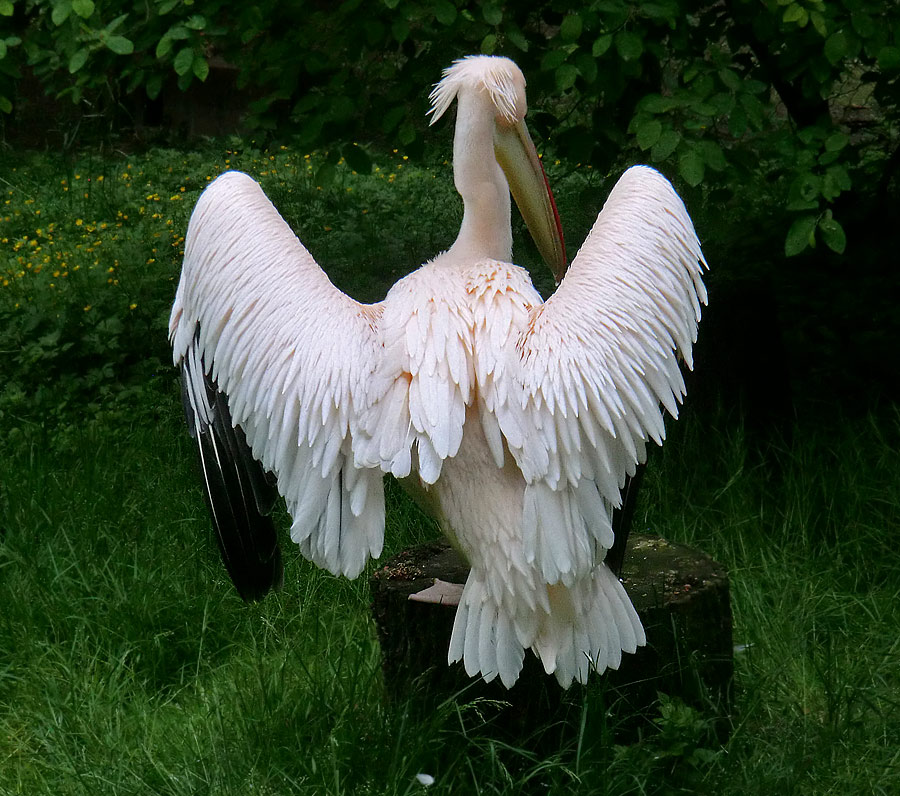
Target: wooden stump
[680,594]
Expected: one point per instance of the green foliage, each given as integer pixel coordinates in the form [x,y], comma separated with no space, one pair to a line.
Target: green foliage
[782,105]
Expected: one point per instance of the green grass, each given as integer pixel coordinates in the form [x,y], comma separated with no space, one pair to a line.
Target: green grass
[128,665]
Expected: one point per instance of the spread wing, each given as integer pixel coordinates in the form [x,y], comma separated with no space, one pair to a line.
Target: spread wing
[262,334]
[595,366]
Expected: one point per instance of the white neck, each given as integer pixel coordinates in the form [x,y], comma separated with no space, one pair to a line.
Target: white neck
[485,232]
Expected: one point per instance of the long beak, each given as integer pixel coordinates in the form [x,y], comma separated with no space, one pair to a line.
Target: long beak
[528,184]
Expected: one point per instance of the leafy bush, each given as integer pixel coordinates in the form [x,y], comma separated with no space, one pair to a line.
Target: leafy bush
[785,105]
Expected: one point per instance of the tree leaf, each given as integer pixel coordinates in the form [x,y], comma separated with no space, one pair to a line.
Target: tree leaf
[183,61]
[195,22]
[120,45]
[5,105]
[889,58]
[691,168]
[445,12]
[488,44]
[84,8]
[836,142]
[78,59]
[601,45]
[796,13]
[666,144]
[200,67]
[630,46]
[836,47]
[3,49]
[6,10]
[60,12]
[492,13]
[800,235]
[565,77]
[164,46]
[648,134]
[357,158]
[833,235]
[400,29]
[730,79]
[571,27]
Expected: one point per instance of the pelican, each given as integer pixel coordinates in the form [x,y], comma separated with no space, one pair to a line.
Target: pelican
[514,421]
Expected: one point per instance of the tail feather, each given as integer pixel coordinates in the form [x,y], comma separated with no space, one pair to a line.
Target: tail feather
[587,626]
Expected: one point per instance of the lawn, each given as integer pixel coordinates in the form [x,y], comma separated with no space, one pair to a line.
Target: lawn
[128,665]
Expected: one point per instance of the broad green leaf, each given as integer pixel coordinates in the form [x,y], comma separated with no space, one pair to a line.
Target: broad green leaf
[325,175]
[5,105]
[571,27]
[492,13]
[195,22]
[551,60]
[164,46]
[406,133]
[178,32]
[602,45]
[357,158]
[818,22]
[737,122]
[666,145]
[120,45]
[730,79]
[691,168]
[153,86]
[518,39]
[84,8]
[400,29]
[630,46]
[78,59]
[801,234]
[796,13]
[6,10]
[61,12]
[166,7]
[833,235]
[889,58]
[656,103]
[836,46]
[183,61]
[200,67]
[392,118]
[587,66]
[863,24]
[648,134]
[489,43]
[391,3]
[565,77]
[713,155]
[836,142]
[445,12]
[2,49]
[839,175]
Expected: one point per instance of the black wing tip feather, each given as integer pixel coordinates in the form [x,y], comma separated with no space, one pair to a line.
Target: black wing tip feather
[622,519]
[240,495]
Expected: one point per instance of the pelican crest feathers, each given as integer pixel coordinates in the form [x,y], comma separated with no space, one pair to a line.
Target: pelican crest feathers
[497,76]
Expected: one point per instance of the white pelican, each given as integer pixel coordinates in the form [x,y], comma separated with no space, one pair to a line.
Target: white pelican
[515,421]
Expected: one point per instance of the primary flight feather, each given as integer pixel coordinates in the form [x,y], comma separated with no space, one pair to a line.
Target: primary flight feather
[515,422]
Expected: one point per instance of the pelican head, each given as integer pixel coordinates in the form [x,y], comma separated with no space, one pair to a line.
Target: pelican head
[493,155]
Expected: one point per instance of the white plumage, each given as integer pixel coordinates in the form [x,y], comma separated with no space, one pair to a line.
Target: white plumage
[519,419]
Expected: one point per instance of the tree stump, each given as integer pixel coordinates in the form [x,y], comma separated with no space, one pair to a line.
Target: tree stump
[680,594]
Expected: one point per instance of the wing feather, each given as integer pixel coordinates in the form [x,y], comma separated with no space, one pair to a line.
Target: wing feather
[596,366]
[293,355]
